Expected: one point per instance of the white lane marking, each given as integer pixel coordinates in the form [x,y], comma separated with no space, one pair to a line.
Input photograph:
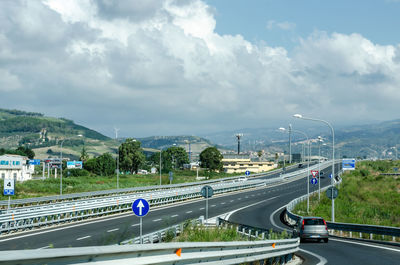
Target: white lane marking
[189,211]
[44,247]
[271,219]
[229,215]
[213,205]
[222,203]
[157,220]
[364,244]
[322,260]
[83,237]
[202,208]
[232,200]
[175,215]
[112,230]
[135,224]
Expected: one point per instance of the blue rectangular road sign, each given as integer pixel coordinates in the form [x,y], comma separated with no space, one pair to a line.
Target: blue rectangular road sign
[348,164]
[34,162]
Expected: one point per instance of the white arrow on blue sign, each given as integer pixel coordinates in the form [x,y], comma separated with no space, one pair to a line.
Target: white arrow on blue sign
[330,176]
[247,173]
[140,207]
[314,181]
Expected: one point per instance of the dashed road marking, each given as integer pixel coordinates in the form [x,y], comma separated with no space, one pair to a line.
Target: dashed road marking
[157,220]
[175,215]
[189,211]
[83,237]
[112,230]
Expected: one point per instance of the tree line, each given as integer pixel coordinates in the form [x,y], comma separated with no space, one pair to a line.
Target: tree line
[131,158]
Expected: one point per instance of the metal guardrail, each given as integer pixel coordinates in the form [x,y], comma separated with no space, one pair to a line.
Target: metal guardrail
[275,251]
[115,192]
[30,217]
[332,227]
[50,214]
[163,253]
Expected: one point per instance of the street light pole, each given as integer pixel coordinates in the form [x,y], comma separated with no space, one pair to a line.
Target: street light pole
[319,167]
[160,165]
[308,164]
[61,167]
[290,144]
[116,138]
[299,116]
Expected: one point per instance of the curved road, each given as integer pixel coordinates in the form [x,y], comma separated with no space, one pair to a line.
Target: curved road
[337,251]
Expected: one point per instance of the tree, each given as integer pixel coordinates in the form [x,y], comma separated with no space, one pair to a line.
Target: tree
[25,151]
[105,164]
[131,155]
[84,155]
[174,157]
[260,154]
[211,158]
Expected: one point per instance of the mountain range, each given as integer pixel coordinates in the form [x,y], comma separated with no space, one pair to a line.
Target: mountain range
[45,135]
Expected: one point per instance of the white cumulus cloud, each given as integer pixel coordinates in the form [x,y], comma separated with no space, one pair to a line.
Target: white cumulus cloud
[159,67]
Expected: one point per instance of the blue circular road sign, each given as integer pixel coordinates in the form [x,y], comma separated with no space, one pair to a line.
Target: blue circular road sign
[314,181]
[247,173]
[140,207]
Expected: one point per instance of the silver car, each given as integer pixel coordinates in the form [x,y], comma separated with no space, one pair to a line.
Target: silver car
[311,228]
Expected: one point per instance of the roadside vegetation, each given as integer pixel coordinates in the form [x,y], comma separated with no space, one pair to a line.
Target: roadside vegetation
[200,233]
[365,196]
[71,184]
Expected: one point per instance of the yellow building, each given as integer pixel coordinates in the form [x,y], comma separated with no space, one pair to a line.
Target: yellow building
[241,165]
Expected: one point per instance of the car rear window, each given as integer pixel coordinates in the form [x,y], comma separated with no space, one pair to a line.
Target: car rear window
[314,221]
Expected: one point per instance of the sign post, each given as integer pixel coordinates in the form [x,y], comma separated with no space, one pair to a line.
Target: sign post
[207,192]
[8,190]
[140,208]
[171,174]
[332,193]
[247,173]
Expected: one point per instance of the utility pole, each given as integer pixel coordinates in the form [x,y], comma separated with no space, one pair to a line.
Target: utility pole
[238,136]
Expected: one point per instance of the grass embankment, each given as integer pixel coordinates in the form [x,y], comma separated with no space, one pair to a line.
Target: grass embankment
[365,197]
[196,233]
[51,186]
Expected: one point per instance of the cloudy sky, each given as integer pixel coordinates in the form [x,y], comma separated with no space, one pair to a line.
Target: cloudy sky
[173,67]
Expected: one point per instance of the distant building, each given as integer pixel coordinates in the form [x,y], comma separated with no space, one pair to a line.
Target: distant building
[192,166]
[15,167]
[296,158]
[241,163]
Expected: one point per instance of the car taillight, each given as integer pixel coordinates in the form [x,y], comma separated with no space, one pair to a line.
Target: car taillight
[302,225]
[326,227]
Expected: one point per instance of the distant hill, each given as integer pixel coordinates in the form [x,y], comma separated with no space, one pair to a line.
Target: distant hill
[371,140]
[35,130]
[44,135]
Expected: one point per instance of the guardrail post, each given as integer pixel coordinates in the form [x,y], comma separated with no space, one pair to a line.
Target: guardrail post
[370,236]
[360,235]
[263,235]
[350,234]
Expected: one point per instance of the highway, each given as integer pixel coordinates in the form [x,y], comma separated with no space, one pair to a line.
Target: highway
[116,228]
[259,207]
[337,251]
